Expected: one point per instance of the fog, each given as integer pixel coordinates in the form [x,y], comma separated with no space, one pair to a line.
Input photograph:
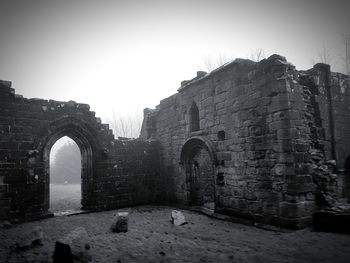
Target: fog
[123,56]
[65,176]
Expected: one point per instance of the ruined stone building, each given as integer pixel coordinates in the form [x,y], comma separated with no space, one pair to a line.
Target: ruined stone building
[261,141]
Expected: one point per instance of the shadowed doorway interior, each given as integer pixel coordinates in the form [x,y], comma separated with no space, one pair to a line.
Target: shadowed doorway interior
[65,176]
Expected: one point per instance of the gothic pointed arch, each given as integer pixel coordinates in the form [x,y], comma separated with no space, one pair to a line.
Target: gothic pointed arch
[194,118]
[82,134]
[195,142]
[199,160]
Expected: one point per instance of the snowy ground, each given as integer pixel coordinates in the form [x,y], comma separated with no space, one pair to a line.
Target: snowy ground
[152,238]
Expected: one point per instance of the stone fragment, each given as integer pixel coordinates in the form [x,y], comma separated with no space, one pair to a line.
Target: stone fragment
[37,236]
[62,253]
[331,162]
[34,238]
[177,218]
[5,224]
[120,222]
[74,246]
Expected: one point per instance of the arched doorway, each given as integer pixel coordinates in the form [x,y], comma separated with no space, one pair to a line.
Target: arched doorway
[65,176]
[80,133]
[347,178]
[198,160]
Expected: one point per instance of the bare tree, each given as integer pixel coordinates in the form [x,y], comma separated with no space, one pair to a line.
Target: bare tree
[67,164]
[210,63]
[325,55]
[257,55]
[126,126]
[223,59]
[346,57]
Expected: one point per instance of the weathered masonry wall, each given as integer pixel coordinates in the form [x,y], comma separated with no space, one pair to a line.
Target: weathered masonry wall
[340,95]
[270,131]
[115,173]
[262,141]
[331,91]
[328,109]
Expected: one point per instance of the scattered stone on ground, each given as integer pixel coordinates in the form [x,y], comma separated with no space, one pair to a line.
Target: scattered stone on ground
[120,223]
[75,245]
[5,224]
[33,238]
[62,253]
[203,239]
[177,218]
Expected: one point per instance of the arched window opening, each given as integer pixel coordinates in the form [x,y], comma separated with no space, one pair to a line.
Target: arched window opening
[194,118]
[221,135]
[65,176]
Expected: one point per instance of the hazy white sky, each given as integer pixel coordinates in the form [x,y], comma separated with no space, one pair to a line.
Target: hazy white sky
[124,56]
[57,145]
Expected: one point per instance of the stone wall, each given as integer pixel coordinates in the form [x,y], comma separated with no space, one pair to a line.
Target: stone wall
[115,173]
[330,94]
[340,94]
[261,141]
[268,130]
[328,115]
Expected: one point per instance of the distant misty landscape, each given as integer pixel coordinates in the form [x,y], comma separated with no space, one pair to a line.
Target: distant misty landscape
[65,162]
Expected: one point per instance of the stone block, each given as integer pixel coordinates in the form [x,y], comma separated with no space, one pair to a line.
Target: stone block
[76,245]
[302,147]
[34,238]
[120,222]
[62,253]
[224,156]
[290,210]
[177,218]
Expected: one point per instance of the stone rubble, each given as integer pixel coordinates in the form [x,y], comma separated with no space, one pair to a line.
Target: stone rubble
[33,239]
[74,246]
[120,223]
[178,218]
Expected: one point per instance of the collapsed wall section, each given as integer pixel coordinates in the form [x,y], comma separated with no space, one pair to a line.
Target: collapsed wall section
[340,94]
[114,173]
[340,97]
[328,110]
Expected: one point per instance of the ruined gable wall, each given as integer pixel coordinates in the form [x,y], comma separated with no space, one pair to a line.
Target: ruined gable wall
[115,173]
[330,99]
[340,93]
[260,108]
[328,115]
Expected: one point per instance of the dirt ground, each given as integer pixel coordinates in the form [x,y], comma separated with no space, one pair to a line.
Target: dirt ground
[153,238]
[65,197]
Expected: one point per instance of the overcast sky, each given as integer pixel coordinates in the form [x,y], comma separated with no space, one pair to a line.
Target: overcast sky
[124,56]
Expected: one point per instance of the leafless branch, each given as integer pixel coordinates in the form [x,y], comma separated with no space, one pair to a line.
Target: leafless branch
[126,126]
[325,55]
[210,63]
[257,55]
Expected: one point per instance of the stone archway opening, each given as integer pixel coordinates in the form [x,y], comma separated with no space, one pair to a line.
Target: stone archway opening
[347,178]
[198,161]
[75,130]
[347,164]
[65,176]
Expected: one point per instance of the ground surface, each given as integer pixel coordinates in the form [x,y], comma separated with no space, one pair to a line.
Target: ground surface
[152,238]
[65,197]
